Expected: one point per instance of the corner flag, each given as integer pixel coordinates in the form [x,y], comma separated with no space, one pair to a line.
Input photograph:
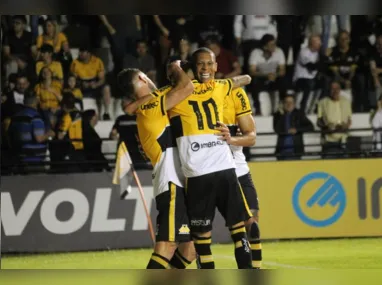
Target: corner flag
[123,174]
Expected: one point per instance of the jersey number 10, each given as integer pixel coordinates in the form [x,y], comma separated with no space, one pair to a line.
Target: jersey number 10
[211,116]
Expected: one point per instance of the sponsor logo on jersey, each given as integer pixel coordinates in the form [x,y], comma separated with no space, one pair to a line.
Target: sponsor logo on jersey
[149,106]
[242,101]
[195,146]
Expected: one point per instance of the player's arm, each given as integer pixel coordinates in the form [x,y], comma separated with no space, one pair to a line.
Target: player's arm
[182,89]
[248,129]
[240,81]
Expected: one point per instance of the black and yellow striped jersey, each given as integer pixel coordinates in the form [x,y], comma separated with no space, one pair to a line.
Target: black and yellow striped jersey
[194,122]
[237,105]
[157,141]
[71,124]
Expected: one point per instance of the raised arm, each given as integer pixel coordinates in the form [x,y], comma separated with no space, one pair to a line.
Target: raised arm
[241,80]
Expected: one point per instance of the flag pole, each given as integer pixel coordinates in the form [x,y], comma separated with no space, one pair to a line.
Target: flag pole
[145,206]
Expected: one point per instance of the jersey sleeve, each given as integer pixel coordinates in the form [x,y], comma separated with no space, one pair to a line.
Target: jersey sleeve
[241,102]
[226,85]
[65,123]
[156,107]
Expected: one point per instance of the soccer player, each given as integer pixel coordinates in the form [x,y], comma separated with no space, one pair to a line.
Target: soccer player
[238,116]
[157,142]
[207,162]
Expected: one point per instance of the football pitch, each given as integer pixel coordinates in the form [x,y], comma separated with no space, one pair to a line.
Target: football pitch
[309,254]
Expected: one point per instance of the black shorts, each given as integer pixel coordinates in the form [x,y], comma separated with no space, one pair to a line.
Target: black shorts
[249,191]
[172,219]
[219,190]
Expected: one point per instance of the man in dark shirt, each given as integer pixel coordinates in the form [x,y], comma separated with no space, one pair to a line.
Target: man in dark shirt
[27,134]
[290,124]
[19,47]
[343,65]
[125,130]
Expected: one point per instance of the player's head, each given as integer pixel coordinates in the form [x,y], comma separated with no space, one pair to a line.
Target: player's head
[134,84]
[204,64]
[185,65]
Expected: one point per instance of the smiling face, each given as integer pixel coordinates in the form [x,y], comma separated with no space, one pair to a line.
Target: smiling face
[205,66]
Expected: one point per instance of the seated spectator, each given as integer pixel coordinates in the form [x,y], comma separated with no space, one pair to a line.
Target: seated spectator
[306,70]
[19,49]
[125,130]
[249,30]
[290,124]
[90,70]
[53,37]
[27,133]
[334,119]
[93,142]
[182,50]
[376,123]
[46,55]
[71,87]
[49,93]
[343,62]
[143,60]
[376,69]
[228,64]
[13,99]
[267,68]
[70,130]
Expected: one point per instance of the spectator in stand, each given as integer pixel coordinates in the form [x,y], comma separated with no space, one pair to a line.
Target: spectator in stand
[93,143]
[19,49]
[306,70]
[143,60]
[207,26]
[46,55]
[376,123]
[343,63]
[13,99]
[334,119]
[71,87]
[70,130]
[290,124]
[125,130]
[123,33]
[326,27]
[52,36]
[49,93]
[183,50]
[249,30]
[291,33]
[228,64]
[27,133]
[90,70]
[267,68]
[376,70]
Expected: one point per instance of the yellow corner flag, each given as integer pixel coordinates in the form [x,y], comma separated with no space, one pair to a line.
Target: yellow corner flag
[123,173]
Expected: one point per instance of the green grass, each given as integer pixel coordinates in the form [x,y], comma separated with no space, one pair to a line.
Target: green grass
[319,254]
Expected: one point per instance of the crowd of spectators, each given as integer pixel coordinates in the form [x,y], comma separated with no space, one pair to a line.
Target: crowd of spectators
[51,63]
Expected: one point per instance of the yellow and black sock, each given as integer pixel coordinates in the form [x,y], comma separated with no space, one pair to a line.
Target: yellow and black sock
[242,247]
[203,248]
[254,240]
[178,261]
[157,262]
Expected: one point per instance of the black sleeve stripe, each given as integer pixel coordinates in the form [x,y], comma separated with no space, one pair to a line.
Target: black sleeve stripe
[162,105]
[245,112]
[230,87]
[155,94]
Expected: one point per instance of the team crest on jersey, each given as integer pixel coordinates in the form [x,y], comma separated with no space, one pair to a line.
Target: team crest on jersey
[184,230]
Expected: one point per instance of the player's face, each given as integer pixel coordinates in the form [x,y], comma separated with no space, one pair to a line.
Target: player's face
[206,67]
[143,85]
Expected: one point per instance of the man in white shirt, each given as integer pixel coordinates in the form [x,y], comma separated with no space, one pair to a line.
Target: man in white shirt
[249,30]
[306,70]
[334,119]
[267,68]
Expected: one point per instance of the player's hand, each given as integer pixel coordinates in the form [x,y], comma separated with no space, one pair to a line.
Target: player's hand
[224,132]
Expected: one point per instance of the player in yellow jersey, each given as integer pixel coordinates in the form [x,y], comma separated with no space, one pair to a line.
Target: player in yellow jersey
[238,115]
[207,162]
[157,142]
